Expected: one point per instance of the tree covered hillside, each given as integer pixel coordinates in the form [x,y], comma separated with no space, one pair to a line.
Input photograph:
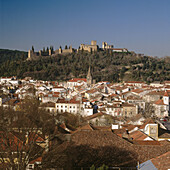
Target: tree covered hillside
[113,67]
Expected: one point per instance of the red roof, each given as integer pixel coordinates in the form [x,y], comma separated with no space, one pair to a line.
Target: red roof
[166,94]
[140,82]
[137,90]
[146,142]
[162,162]
[73,101]
[39,159]
[138,135]
[159,102]
[78,79]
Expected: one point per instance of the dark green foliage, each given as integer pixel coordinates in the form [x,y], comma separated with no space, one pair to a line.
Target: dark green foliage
[113,67]
[103,167]
[32,48]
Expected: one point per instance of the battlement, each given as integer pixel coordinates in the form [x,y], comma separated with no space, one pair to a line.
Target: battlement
[48,52]
[105,45]
[93,47]
[90,48]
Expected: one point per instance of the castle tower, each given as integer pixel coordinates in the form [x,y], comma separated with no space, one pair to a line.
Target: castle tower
[50,52]
[30,54]
[104,45]
[40,53]
[89,77]
[60,50]
[93,42]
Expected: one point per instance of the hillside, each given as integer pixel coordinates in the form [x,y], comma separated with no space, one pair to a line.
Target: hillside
[113,67]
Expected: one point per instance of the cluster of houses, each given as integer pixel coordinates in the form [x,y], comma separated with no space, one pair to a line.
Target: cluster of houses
[79,96]
[132,111]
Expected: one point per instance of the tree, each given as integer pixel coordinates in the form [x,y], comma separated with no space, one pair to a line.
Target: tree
[51,48]
[43,49]
[20,132]
[47,49]
[149,110]
[65,46]
[33,48]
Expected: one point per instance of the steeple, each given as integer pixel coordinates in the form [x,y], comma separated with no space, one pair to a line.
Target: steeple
[89,77]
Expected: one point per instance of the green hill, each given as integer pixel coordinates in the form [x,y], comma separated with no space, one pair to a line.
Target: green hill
[112,67]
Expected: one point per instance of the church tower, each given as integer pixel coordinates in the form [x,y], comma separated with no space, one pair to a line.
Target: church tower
[89,77]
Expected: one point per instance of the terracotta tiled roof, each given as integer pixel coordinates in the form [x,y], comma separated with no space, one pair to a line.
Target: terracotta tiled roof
[39,159]
[162,162]
[78,79]
[147,121]
[128,105]
[137,90]
[133,98]
[148,142]
[48,104]
[119,131]
[166,94]
[138,135]
[159,102]
[73,101]
[94,116]
[128,127]
[162,133]
[160,93]
[135,118]
[86,127]
[129,82]
[91,91]
[104,147]
[102,128]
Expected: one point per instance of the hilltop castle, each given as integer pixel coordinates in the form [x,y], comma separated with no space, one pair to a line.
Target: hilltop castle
[49,52]
[90,48]
[93,47]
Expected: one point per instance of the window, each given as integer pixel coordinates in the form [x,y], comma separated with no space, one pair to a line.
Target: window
[153,130]
[61,106]
[74,107]
[70,107]
[65,106]
[31,166]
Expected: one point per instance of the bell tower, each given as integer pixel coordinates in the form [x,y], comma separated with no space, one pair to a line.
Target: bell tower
[89,77]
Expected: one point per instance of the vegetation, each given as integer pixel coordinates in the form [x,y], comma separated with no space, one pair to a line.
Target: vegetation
[19,133]
[113,67]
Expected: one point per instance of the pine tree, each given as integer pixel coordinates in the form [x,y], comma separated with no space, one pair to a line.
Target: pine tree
[43,49]
[33,48]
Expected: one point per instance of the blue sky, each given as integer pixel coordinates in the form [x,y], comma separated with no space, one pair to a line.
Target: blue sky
[142,26]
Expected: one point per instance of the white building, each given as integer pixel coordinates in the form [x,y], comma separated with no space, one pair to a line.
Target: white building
[70,106]
[162,106]
[76,82]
